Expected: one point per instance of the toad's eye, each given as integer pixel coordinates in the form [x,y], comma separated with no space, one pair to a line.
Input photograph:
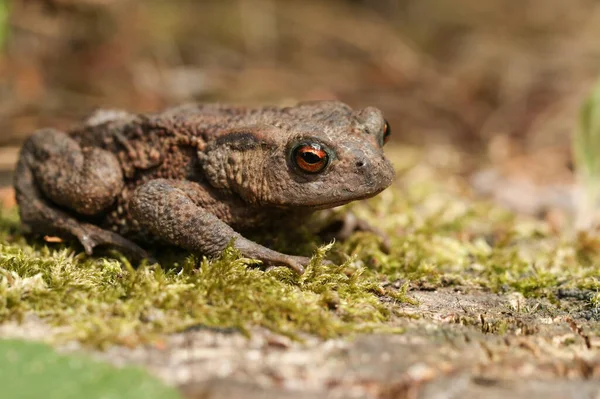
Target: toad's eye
[311,158]
[387,132]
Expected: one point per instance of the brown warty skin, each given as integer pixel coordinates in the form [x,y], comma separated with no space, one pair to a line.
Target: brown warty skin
[196,175]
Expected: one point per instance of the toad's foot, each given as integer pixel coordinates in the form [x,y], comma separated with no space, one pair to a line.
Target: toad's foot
[342,229]
[91,236]
[296,263]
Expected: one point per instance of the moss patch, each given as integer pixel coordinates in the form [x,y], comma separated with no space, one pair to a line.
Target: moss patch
[440,236]
[106,300]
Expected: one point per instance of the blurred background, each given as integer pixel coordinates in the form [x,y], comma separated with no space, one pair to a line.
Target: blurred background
[498,80]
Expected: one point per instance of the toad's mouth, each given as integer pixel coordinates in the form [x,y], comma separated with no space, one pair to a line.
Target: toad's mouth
[335,202]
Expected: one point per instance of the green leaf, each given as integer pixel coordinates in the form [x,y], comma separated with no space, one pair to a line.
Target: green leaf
[586,153]
[35,370]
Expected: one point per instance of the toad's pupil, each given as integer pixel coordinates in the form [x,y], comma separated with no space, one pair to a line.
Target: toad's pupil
[311,157]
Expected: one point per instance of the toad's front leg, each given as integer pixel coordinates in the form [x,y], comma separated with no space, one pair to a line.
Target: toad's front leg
[165,208]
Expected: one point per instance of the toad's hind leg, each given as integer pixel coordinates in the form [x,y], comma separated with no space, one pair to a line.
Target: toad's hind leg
[54,171]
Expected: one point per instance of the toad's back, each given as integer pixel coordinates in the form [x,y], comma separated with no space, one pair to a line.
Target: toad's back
[162,145]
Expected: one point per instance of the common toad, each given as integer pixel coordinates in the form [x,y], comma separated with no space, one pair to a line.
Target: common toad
[195,176]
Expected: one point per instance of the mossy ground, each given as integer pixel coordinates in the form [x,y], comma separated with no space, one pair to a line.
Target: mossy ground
[440,236]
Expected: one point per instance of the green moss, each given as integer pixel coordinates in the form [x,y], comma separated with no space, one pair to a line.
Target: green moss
[107,300]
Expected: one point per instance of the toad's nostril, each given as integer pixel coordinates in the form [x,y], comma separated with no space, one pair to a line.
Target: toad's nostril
[360,164]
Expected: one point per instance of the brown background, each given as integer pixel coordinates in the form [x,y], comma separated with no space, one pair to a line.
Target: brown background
[451,71]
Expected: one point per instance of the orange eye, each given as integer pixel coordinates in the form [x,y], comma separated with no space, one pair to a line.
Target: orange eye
[387,132]
[311,158]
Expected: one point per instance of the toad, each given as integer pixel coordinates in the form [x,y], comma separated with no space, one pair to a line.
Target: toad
[199,176]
